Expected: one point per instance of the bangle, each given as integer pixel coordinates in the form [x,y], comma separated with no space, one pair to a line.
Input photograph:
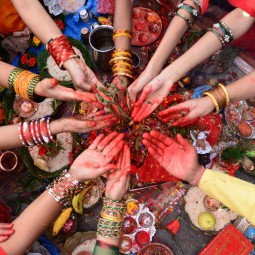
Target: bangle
[198,5]
[124,74]
[183,17]
[65,188]
[189,9]
[226,93]
[213,99]
[197,180]
[13,76]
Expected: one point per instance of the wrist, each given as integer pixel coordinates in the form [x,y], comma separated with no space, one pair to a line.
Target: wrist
[57,126]
[195,180]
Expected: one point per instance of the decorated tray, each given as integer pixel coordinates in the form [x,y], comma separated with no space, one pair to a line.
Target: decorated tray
[45,161]
[155,248]
[241,118]
[138,227]
[48,68]
[81,243]
[147,26]
[206,213]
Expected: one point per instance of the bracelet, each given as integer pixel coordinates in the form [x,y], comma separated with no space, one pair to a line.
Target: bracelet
[225,92]
[122,34]
[124,74]
[65,188]
[13,76]
[183,17]
[217,34]
[188,8]
[36,132]
[213,99]
[198,5]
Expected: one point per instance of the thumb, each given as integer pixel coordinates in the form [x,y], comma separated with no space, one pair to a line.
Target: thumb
[53,82]
[182,141]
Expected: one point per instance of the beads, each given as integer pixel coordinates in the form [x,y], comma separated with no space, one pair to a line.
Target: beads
[65,188]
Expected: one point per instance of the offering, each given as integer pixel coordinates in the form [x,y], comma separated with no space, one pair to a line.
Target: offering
[202,218]
[24,108]
[138,227]
[147,26]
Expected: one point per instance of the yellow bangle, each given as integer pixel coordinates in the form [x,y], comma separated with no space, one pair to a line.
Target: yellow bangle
[124,74]
[214,101]
[111,218]
[124,64]
[125,70]
[226,93]
[121,53]
[120,58]
[122,34]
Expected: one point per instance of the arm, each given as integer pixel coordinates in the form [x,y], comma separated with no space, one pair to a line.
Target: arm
[236,194]
[38,216]
[10,137]
[191,109]
[41,24]
[179,158]
[157,89]
[116,186]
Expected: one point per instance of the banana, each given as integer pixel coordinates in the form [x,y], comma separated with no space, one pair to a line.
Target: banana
[61,220]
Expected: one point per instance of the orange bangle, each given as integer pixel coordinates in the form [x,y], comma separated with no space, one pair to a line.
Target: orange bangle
[121,53]
[226,93]
[124,74]
[120,58]
[122,34]
[118,69]
[122,31]
[123,64]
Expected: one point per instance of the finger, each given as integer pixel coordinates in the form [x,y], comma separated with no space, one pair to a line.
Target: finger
[147,89]
[6,225]
[107,140]
[6,232]
[174,109]
[119,159]
[135,111]
[150,108]
[113,143]
[183,141]
[156,155]
[96,142]
[126,161]
[162,138]
[155,147]
[105,123]
[85,96]
[115,151]
[3,238]
[140,111]
[106,169]
[105,117]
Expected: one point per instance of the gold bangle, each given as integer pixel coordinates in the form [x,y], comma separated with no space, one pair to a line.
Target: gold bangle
[122,34]
[111,218]
[124,64]
[122,70]
[121,54]
[214,100]
[120,58]
[124,74]
[226,93]
[219,96]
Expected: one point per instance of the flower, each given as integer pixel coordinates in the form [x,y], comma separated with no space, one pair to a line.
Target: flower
[60,24]
[28,60]
[174,226]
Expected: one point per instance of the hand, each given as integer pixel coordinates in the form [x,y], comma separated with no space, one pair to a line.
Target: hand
[51,89]
[179,158]
[6,231]
[118,181]
[95,161]
[186,113]
[144,78]
[82,76]
[93,122]
[152,95]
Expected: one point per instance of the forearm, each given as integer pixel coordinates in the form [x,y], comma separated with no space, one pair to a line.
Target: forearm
[35,219]
[37,19]
[234,193]
[10,139]
[243,88]
[207,46]
[123,20]
[5,70]
[174,33]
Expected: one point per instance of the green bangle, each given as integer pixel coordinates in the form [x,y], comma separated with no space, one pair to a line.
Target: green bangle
[189,9]
[183,17]
[31,89]
[13,76]
[217,34]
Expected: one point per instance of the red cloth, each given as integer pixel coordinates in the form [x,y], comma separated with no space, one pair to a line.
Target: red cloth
[2,252]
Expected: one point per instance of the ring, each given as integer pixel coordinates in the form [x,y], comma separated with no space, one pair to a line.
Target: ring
[99,150]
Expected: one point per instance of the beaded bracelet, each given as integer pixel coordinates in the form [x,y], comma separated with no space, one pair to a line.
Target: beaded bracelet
[65,188]
[189,9]
[183,17]
[112,216]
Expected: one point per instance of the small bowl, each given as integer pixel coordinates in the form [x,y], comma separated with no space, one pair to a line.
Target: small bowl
[125,244]
[211,204]
[24,108]
[129,225]
[8,161]
[146,220]
[133,207]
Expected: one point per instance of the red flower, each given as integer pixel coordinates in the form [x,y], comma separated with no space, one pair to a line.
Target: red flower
[174,225]
[42,150]
[60,24]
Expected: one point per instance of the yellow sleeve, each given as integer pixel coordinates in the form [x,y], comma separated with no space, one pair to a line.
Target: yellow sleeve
[236,194]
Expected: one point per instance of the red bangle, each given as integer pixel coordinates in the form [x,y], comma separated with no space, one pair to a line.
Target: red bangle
[21,136]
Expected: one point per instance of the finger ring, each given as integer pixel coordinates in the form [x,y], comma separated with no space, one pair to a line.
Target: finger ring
[99,150]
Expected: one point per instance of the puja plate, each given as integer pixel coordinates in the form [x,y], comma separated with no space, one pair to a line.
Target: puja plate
[147,26]
[240,117]
[24,107]
[155,249]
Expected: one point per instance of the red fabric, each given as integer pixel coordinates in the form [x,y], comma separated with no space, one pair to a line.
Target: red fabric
[246,5]
[205,6]
[2,252]
[151,171]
